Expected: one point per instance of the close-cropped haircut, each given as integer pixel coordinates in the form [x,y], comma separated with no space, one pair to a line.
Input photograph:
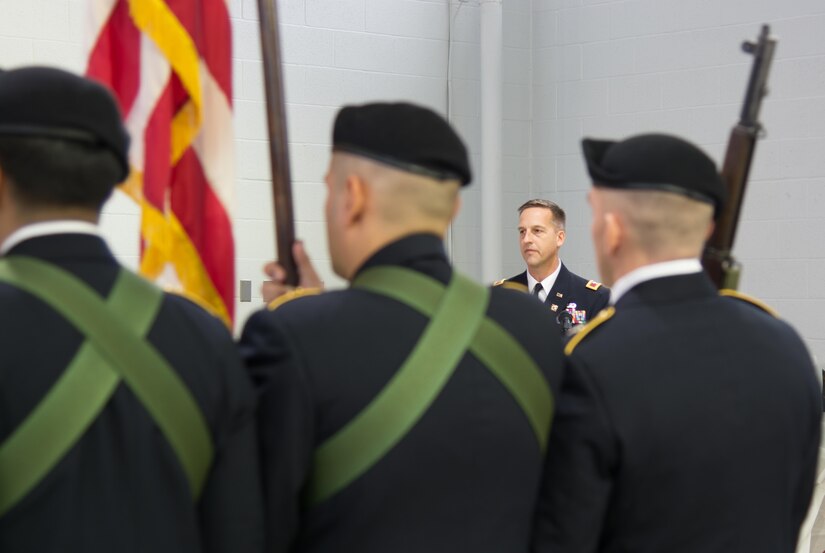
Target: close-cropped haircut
[559,217]
[48,172]
[664,225]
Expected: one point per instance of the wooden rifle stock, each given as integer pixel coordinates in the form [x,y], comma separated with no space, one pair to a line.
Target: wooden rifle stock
[717,259]
[278,145]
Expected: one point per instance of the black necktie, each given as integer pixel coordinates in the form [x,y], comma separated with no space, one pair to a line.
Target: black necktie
[537,289]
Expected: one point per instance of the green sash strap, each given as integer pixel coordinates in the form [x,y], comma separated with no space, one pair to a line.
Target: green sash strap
[114,349]
[457,323]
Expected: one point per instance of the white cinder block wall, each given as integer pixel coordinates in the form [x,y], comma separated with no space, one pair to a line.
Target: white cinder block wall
[614,68]
[465,113]
[516,126]
[335,52]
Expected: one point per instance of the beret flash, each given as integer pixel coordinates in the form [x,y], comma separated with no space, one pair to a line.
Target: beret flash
[655,162]
[408,137]
[52,103]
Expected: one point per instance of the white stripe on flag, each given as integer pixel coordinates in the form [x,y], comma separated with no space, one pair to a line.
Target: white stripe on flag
[155,73]
[214,145]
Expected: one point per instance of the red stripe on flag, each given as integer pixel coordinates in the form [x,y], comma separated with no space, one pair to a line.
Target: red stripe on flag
[115,58]
[208,25]
[217,48]
[206,222]
[157,146]
[179,94]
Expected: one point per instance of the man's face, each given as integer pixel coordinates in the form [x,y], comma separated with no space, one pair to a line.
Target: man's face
[539,239]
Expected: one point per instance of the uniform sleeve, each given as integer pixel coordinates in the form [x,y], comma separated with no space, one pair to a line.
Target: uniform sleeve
[231,506]
[285,424]
[582,456]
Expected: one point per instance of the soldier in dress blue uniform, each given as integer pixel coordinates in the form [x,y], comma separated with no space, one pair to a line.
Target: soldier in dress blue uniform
[372,441]
[572,299]
[136,433]
[689,418]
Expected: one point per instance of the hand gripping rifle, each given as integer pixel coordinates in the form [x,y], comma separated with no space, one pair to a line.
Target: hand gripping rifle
[278,153]
[717,259]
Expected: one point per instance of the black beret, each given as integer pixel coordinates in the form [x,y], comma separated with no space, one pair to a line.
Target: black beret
[52,103]
[409,137]
[655,162]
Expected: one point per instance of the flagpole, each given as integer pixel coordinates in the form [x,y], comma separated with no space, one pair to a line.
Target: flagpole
[278,152]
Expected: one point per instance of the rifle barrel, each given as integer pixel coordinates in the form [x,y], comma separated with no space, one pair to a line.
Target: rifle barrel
[717,259]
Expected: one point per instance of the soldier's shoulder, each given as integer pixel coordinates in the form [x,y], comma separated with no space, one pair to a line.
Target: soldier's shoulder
[510,285]
[589,285]
[590,329]
[517,282]
[292,296]
[286,309]
[197,313]
[749,300]
[595,286]
[300,309]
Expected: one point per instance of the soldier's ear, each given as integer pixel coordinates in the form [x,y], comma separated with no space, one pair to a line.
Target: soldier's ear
[614,232]
[355,201]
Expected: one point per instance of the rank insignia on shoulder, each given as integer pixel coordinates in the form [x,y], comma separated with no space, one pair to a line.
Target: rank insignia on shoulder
[593,285]
[292,295]
[499,282]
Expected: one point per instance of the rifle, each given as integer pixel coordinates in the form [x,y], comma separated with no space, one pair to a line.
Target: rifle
[717,258]
[278,153]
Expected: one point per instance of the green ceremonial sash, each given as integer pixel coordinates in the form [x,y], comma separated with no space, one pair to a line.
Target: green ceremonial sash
[457,323]
[114,350]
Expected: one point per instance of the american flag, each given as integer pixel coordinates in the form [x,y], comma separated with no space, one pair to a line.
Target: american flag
[169,64]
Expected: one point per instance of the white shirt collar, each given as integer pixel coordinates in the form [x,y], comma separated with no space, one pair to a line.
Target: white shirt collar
[46,228]
[649,272]
[546,284]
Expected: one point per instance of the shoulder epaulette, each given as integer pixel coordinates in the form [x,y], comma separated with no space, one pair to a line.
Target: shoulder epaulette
[593,285]
[729,293]
[517,286]
[292,295]
[598,320]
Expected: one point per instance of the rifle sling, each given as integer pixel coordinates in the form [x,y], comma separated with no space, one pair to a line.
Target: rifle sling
[114,349]
[457,324]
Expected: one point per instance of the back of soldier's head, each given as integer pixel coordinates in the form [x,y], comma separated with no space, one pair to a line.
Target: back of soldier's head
[62,141]
[657,162]
[666,188]
[405,136]
[410,155]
